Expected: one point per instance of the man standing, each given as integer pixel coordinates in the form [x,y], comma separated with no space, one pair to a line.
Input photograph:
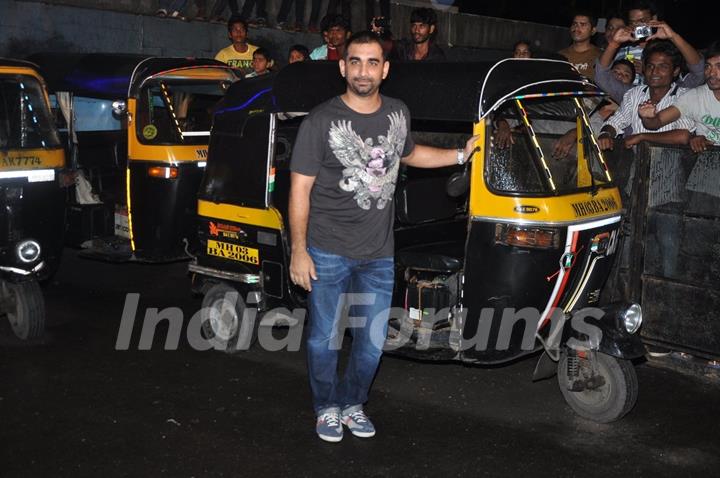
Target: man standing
[423,28]
[240,53]
[700,105]
[581,53]
[344,168]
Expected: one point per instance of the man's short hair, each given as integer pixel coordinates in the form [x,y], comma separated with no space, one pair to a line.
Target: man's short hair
[665,47]
[614,14]
[236,19]
[332,21]
[584,13]
[641,5]
[362,38]
[302,49]
[423,15]
[264,52]
[712,50]
[629,64]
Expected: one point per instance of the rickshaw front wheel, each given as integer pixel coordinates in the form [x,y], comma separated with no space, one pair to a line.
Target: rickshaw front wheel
[25,308]
[226,323]
[603,393]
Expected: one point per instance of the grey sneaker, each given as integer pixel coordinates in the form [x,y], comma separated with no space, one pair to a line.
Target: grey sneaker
[328,426]
[357,422]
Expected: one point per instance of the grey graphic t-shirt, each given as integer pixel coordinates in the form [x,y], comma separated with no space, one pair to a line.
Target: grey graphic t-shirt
[355,160]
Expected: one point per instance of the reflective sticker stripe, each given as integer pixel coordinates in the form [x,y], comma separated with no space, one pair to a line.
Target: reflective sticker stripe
[33,175]
[563,276]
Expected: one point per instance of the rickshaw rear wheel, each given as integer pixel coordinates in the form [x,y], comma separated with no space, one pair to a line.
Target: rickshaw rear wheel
[225,323]
[611,400]
[25,308]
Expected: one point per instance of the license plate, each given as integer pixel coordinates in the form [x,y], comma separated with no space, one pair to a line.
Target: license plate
[234,252]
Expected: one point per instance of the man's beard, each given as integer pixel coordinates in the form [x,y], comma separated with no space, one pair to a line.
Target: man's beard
[366,90]
[420,39]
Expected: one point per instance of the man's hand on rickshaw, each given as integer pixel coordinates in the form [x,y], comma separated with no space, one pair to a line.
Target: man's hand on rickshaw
[564,145]
[699,144]
[605,142]
[470,148]
[302,270]
[633,139]
[503,134]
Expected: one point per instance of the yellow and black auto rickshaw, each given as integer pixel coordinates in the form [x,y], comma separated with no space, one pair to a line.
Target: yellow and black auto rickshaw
[32,196]
[137,131]
[497,260]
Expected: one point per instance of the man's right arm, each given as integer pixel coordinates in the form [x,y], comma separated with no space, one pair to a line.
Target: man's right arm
[653,119]
[302,268]
[603,75]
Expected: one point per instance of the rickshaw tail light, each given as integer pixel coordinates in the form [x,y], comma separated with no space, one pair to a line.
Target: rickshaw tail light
[524,236]
[163,172]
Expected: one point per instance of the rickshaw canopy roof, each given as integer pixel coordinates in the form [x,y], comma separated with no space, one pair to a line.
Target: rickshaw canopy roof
[12,63]
[450,91]
[109,76]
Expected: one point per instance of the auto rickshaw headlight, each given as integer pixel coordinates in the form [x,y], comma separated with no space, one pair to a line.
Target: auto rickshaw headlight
[28,251]
[527,236]
[632,318]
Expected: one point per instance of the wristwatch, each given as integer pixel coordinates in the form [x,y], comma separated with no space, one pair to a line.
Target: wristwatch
[460,156]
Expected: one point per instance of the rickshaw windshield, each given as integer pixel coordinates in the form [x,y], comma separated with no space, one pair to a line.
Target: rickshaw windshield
[25,121]
[553,150]
[177,112]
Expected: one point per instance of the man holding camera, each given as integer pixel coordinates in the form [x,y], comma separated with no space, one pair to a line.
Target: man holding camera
[661,64]
[644,26]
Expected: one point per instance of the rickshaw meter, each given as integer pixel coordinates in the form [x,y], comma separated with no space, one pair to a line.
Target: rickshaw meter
[28,251]
[632,318]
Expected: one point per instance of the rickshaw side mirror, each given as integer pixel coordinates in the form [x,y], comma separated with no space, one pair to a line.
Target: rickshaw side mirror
[119,108]
[458,184]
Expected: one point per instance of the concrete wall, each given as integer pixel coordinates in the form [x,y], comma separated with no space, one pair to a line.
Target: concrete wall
[128,26]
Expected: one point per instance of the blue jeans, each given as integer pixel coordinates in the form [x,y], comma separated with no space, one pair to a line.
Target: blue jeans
[336,276]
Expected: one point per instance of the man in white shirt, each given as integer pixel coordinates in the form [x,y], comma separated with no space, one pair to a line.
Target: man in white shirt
[700,105]
[661,65]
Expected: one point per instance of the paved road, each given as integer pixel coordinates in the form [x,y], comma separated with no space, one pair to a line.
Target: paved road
[74,406]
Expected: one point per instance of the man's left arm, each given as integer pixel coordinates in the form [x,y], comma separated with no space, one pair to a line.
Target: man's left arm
[674,136]
[430,157]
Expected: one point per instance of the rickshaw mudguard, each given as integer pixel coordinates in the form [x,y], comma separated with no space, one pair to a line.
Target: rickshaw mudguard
[613,339]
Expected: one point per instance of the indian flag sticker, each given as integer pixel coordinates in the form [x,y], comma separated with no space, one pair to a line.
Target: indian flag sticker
[271,180]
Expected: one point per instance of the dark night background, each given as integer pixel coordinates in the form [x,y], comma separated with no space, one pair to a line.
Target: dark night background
[696,21]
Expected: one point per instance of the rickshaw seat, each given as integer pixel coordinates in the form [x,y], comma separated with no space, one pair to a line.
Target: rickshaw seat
[442,257]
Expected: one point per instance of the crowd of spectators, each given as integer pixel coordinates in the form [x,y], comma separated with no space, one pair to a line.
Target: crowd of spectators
[645,67]
[660,88]
[335,29]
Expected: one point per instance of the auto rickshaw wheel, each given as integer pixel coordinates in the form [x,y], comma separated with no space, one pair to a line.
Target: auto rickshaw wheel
[225,323]
[610,387]
[25,308]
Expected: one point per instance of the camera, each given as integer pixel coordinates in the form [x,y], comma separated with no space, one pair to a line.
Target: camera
[642,31]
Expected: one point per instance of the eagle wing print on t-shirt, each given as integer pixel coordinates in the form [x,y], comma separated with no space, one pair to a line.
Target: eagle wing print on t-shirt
[370,170]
